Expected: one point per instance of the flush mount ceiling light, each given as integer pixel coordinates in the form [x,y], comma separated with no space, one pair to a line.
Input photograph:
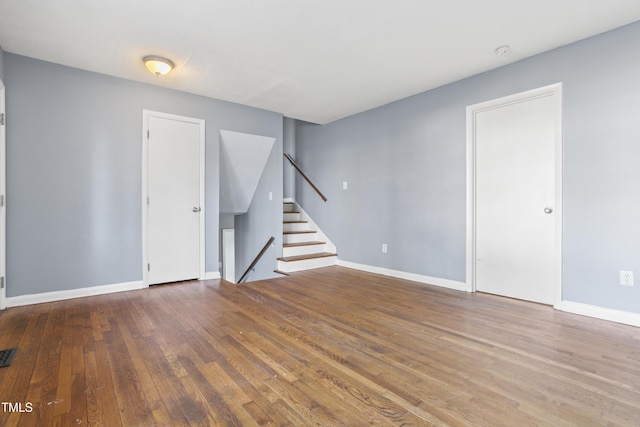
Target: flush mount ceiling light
[503,50]
[157,64]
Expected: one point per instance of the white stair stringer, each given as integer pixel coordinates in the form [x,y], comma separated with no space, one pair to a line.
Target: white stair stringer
[305,246]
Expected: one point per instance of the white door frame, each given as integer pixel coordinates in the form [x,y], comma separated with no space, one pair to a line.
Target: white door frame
[146,115]
[554,90]
[3,203]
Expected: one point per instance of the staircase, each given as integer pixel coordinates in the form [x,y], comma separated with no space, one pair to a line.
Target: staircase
[304,245]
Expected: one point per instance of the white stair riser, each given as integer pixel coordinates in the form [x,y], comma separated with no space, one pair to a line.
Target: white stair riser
[288,207]
[298,238]
[291,216]
[296,226]
[306,264]
[303,250]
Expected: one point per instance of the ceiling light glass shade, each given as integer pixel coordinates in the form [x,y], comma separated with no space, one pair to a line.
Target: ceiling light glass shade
[158,65]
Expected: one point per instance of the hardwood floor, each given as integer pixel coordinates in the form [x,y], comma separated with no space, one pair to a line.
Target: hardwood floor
[329,347]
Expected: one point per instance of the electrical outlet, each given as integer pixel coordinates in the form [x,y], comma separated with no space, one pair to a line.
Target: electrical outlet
[626,278]
[384,248]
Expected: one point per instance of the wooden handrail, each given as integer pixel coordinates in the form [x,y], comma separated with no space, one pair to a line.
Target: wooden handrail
[257,258]
[293,163]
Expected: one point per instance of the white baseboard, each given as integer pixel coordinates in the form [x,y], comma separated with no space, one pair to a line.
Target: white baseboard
[72,293]
[603,313]
[212,275]
[444,283]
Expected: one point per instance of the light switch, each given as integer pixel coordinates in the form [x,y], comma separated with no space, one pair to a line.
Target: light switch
[344,185]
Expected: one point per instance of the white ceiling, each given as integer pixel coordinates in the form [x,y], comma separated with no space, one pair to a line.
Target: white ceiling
[312,60]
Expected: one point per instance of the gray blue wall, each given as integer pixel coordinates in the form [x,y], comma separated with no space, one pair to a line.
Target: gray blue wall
[289,147]
[263,220]
[405,167]
[1,64]
[74,173]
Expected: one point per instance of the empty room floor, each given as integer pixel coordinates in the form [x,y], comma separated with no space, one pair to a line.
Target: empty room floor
[326,347]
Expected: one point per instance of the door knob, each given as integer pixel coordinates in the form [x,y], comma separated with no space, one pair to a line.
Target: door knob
[196,210]
[548,210]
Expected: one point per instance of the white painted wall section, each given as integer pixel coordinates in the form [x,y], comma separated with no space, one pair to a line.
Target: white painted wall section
[243,158]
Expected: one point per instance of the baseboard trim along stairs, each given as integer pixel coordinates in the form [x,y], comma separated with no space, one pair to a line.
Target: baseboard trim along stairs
[304,246]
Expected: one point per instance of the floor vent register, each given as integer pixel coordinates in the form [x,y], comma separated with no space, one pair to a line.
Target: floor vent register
[6,356]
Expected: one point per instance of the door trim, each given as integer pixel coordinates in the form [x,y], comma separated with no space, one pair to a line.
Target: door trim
[146,115]
[3,192]
[554,90]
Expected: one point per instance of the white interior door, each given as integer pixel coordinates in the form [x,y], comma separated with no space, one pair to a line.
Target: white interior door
[516,206]
[174,199]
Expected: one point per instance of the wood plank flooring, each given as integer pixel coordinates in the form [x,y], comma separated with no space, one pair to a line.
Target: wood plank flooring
[327,347]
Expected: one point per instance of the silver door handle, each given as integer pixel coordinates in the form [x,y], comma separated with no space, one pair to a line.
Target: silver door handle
[548,210]
[196,210]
